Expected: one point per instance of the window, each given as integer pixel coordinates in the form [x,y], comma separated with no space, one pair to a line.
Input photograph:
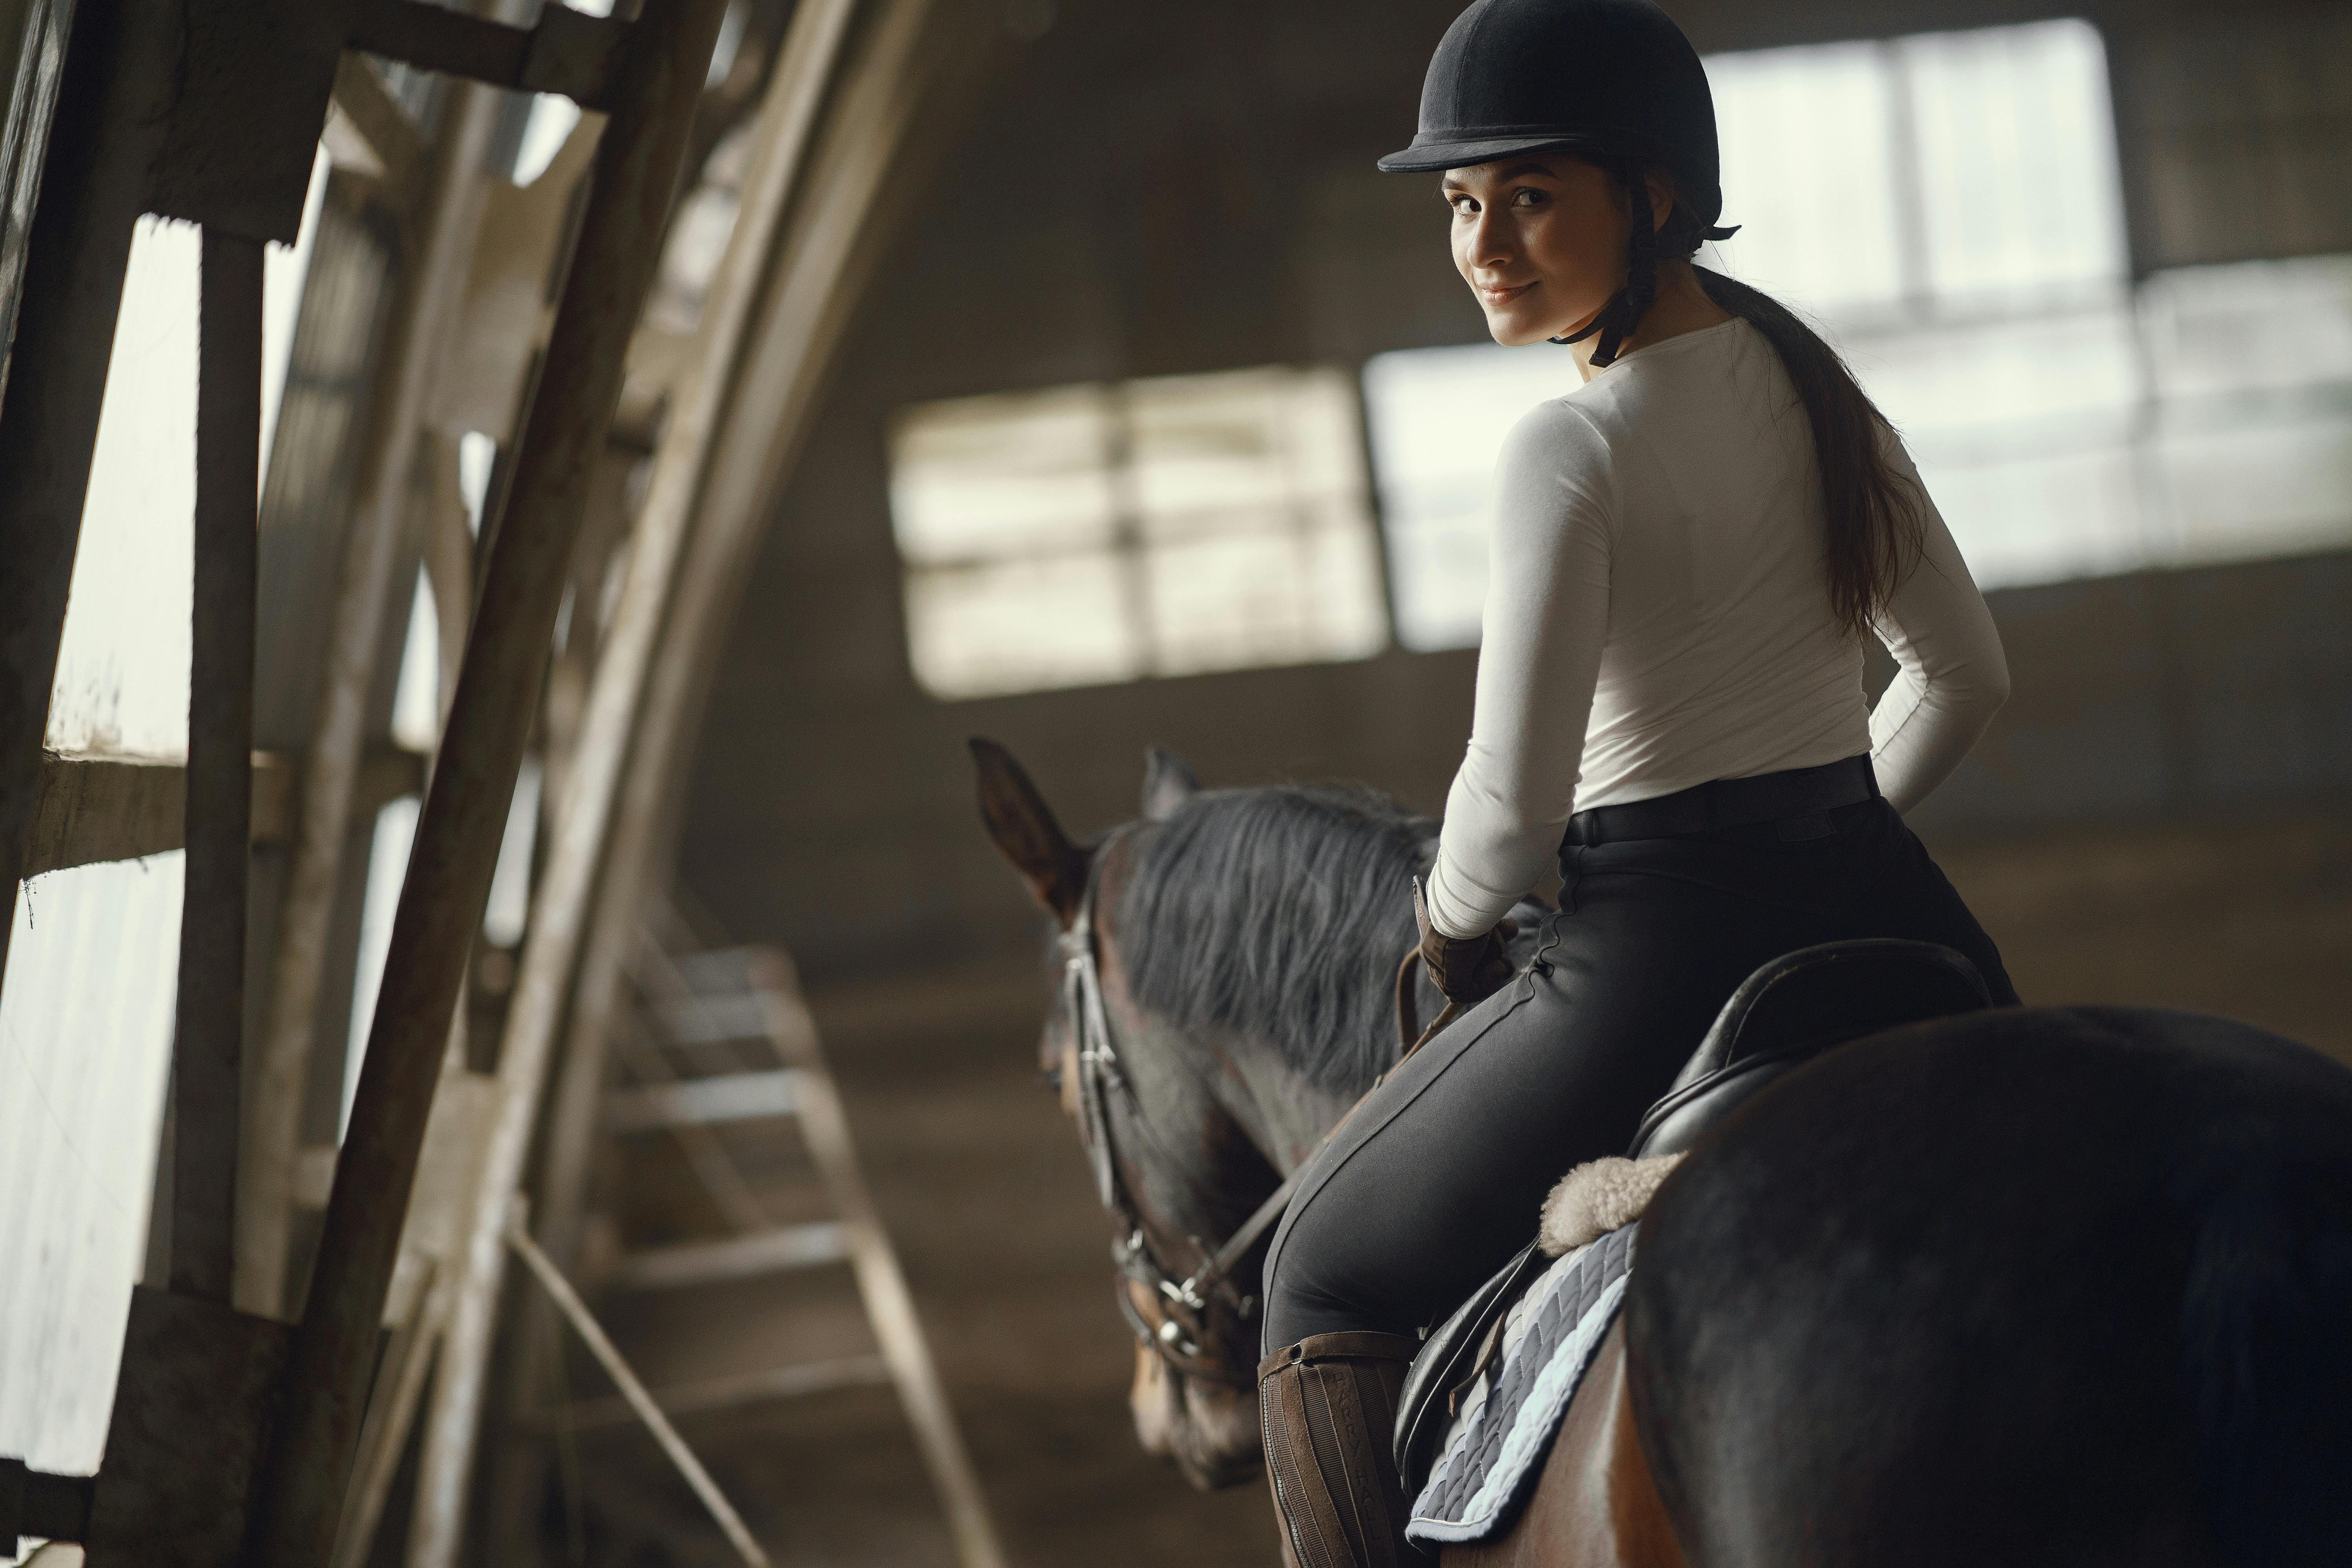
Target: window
[1947,207]
[1438,417]
[121,682]
[85,1052]
[1098,534]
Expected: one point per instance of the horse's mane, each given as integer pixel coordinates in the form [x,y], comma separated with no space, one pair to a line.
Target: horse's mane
[1282,911]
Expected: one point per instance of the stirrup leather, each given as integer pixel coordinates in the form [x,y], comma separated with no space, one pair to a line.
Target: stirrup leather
[1327,1404]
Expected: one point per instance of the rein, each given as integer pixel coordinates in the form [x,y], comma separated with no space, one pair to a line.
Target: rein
[1175,1337]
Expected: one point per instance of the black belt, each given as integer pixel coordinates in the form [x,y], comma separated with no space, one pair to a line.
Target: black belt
[1799,800]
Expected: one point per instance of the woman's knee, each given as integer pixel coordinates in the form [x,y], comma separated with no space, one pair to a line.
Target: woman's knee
[1299,1267]
[1344,1262]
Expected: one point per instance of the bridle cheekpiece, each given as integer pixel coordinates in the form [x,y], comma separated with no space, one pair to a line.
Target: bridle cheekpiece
[1176,1329]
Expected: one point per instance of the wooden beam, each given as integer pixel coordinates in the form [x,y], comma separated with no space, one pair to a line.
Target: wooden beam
[718,1393]
[120,808]
[388,144]
[107,134]
[105,808]
[439,39]
[569,52]
[416,343]
[593,1334]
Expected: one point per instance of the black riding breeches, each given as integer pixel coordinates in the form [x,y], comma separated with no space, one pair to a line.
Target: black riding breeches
[1437,1178]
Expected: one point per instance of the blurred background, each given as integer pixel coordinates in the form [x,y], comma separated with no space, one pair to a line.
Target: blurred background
[1146,412]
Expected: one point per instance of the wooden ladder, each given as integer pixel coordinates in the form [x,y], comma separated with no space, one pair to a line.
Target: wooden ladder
[724,1037]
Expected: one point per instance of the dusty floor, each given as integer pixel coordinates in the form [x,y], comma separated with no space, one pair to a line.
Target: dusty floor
[980,1177]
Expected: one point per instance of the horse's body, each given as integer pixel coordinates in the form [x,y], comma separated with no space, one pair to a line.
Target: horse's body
[2036,1286]
[2062,1286]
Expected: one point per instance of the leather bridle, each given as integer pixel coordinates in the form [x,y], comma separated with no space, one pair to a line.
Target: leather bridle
[1174,1324]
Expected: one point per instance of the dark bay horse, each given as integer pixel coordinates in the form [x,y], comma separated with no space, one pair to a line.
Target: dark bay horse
[2038,1286]
[2035,1286]
[1247,943]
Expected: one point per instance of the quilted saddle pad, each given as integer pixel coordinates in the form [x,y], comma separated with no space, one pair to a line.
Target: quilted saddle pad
[1498,1445]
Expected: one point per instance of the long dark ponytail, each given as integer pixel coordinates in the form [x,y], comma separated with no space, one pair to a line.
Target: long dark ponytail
[1871,509]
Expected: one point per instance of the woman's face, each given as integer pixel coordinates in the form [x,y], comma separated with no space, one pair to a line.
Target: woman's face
[1541,240]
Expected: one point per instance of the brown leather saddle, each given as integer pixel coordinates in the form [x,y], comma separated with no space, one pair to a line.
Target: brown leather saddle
[1789,1012]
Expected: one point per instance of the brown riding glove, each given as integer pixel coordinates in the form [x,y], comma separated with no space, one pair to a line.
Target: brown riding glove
[1466,969]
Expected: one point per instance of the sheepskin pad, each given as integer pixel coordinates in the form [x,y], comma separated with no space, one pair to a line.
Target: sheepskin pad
[1597,1198]
[1496,1447]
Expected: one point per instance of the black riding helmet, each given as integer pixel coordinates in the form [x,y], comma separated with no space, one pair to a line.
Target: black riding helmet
[1613,82]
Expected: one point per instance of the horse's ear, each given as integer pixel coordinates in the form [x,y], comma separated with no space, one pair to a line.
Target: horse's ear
[1023,827]
[1168,782]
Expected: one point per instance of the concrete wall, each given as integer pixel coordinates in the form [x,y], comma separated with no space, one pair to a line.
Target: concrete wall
[1158,189]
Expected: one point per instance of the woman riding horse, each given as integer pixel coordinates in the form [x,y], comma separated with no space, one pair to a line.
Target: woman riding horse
[1688,555]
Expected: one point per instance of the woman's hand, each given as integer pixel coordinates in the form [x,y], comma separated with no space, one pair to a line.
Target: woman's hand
[1467,969]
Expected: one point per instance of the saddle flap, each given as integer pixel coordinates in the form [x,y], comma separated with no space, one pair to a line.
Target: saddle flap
[1448,1362]
[1799,1006]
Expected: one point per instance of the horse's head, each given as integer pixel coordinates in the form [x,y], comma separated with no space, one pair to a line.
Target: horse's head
[1191,1097]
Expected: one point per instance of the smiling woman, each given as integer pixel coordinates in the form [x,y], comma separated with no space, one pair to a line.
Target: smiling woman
[1541,241]
[1559,248]
[1689,553]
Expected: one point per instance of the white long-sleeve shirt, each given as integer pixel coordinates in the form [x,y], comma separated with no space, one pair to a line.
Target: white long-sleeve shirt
[1658,615]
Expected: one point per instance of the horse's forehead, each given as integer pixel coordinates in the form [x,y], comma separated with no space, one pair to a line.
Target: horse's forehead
[1114,859]
[1115,864]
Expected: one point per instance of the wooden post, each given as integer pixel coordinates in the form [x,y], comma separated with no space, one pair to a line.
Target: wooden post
[209,1042]
[428,317]
[94,185]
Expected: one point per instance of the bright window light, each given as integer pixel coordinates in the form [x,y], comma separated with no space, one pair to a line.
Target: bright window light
[1097,533]
[552,116]
[85,1051]
[2014,152]
[121,685]
[1941,175]
[283,270]
[509,908]
[1438,417]
[1810,152]
[123,666]
[2251,444]
[416,692]
[388,848]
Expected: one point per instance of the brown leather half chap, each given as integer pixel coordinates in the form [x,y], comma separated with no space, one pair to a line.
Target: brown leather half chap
[1327,1404]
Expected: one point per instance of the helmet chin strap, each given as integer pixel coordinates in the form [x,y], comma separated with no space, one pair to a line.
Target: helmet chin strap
[1623,313]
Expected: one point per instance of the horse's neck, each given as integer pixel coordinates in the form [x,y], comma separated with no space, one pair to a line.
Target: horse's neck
[1214,1099]
[1230,1091]
[1191,1080]
[1284,1115]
